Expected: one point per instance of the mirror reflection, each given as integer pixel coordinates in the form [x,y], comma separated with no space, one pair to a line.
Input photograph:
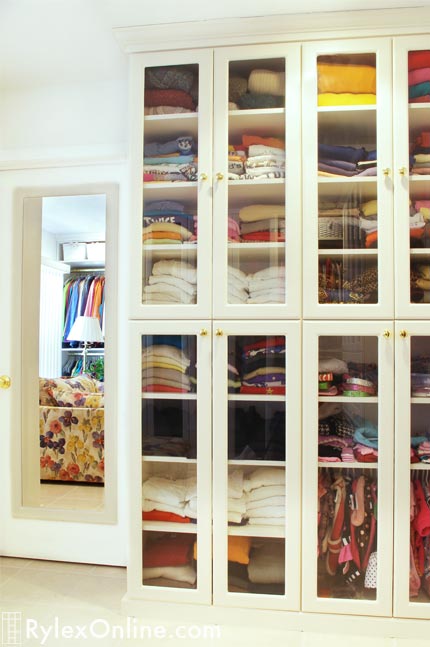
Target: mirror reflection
[71,352]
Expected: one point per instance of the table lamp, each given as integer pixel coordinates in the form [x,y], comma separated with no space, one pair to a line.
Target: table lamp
[85,329]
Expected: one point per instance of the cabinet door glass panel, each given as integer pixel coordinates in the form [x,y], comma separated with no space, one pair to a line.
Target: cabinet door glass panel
[347,183]
[256,212]
[347,467]
[419,575]
[170,165]
[419,170]
[169,467]
[256,464]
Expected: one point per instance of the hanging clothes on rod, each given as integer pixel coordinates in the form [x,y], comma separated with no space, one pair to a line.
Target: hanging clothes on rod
[83,295]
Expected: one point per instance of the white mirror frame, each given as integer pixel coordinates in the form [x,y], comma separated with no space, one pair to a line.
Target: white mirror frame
[25,448]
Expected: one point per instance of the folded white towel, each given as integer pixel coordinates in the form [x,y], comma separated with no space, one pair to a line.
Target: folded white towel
[263,476]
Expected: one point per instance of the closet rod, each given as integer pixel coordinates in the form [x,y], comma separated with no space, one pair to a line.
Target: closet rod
[87,270]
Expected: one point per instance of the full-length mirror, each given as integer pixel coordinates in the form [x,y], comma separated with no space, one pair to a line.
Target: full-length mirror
[67,314]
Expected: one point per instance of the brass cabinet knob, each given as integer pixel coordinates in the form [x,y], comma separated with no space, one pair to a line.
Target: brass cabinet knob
[203,332]
[203,176]
[386,334]
[5,382]
[219,332]
[220,176]
[403,333]
[386,171]
[403,170]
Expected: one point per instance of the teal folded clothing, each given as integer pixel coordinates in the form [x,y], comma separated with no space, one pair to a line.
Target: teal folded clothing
[419,90]
[178,159]
[251,100]
[367,435]
[169,78]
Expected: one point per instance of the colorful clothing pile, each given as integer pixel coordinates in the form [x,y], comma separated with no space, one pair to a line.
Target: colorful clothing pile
[165,222]
[420,283]
[263,366]
[347,537]
[342,84]
[169,557]
[419,565]
[419,76]
[257,158]
[170,90]
[171,282]
[336,377]
[262,89]
[262,223]
[345,161]
[170,161]
[165,369]
[233,230]
[420,154]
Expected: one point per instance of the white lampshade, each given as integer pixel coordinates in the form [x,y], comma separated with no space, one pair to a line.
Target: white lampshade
[86,329]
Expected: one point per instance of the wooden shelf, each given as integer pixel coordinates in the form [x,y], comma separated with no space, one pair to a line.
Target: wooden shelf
[147,395]
[257,531]
[169,526]
[160,127]
[356,465]
[169,459]
[256,463]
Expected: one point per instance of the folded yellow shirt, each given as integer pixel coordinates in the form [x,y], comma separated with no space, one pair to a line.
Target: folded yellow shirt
[336,77]
[346,99]
[261,212]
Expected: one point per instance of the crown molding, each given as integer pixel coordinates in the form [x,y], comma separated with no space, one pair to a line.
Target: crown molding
[269,29]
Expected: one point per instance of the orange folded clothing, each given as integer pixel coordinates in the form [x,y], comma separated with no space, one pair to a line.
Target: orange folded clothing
[162,234]
[176,550]
[274,142]
[158,515]
[338,77]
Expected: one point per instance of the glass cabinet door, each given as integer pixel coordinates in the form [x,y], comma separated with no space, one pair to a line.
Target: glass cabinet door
[171,202]
[347,179]
[173,460]
[412,155]
[347,467]
[256,182]
[256,465]
[412,509]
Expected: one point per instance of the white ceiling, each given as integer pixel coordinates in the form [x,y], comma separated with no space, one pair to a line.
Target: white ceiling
[44,42]
[74,214]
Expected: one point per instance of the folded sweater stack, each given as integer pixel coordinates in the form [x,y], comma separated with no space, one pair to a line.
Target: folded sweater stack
[346,84]
[345,161]
[166,222]
[177,497]
[262,223]
[258,498]
[171,282]
[267,285]
[419,76]
[237,286]
[420,154]
[170,90]
[257,158]
[174,160]
[169,557]
[262,89]
[263,366]
[165,369]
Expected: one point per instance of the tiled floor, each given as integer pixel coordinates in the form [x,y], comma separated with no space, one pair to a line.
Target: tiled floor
[71,497]
[79,594]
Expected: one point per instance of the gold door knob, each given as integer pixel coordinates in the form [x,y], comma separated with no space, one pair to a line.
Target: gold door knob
[203,176]
[203,332]
[386,334]
[5,382]
[403,170]
[403,333]
[386,171]
[220,176]
[219,332]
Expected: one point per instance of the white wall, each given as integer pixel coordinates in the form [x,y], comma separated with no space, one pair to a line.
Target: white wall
[64,121]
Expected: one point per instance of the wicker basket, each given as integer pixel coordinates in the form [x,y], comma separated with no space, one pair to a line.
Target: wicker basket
[330,228]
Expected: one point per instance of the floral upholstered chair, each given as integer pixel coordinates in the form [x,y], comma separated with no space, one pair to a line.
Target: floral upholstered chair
[71,429]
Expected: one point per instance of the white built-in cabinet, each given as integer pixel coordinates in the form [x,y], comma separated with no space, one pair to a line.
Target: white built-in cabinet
[347,264]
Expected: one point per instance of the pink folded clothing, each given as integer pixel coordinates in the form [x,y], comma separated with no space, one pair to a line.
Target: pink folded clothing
[419,76]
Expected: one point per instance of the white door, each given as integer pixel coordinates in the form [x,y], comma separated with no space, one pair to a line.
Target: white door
[83,518]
